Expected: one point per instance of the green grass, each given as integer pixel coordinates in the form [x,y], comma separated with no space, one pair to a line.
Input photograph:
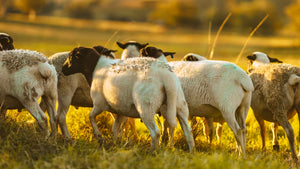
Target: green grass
[23,146]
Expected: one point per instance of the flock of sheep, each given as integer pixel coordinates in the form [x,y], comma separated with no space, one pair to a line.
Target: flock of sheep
[142,83]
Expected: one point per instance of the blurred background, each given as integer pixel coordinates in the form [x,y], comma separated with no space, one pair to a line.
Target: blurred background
[182,26]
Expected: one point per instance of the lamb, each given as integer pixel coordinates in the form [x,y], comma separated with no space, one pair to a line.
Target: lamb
[27,76]
[131,49]
[276,96]
[258,59]
[214,89]
[6,42]
[135,87]
[72,90]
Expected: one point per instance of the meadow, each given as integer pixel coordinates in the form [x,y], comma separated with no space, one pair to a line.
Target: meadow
[23,146]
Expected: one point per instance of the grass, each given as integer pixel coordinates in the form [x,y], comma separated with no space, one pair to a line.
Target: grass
[23,146]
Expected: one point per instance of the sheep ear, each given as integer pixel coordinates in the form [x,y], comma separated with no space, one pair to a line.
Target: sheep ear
[144,52]
[121,45]
[169,53]
[252,57]
[113,51]
[274,60]
[294,80]
[141,46]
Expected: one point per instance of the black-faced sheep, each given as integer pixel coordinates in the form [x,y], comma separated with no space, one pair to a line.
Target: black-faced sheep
[214,89]
[26,76]
[135,87]
[72,90]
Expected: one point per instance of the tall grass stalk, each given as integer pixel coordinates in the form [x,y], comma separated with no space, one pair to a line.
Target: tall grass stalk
[211,53]
[251,34]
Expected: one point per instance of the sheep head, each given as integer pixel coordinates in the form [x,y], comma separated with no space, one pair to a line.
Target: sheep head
[6,42]
[154,52]
[262,58]
[133,43]
[84,60]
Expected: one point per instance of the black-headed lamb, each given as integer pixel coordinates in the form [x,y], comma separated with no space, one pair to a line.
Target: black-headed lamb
[26,76]
[193,57]
[214,89]
[135,87]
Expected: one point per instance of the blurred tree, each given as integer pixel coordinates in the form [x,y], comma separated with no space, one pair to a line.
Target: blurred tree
[30,7]
[82,9]
[175,13]
[3,7]
[293,13]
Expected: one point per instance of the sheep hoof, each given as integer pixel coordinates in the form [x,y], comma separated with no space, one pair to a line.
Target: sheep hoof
[276,147]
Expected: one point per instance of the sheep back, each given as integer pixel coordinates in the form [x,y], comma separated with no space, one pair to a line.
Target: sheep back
[270,83]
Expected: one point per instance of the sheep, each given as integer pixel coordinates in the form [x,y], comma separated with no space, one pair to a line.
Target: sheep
[276,96]
[72,90]
[214,89]
[258,59]
[6,42]
[27,76]
[131,49]
[135,87]
[193,57]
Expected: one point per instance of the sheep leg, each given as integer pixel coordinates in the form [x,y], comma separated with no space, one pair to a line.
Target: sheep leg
[35,110]
[165,136]
[219,131]
[149,122]
[274,128]
[187,130]
[237,130]
[118,125]
[283,121]
[131,122]
[183,116]
[96,111]
[208,127]
[261,123]
[51,109]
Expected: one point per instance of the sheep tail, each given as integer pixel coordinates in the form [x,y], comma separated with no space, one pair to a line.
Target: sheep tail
[246,83]
[170,86]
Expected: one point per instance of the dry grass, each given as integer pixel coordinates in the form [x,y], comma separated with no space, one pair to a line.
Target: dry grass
[22,145]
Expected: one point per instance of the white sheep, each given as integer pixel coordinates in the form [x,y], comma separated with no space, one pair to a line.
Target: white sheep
[135,87]
[276,96]
[258,59]
[214,89]
[74,89]
[26,76]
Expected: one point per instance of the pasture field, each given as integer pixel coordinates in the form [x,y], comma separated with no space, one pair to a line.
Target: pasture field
[23,146]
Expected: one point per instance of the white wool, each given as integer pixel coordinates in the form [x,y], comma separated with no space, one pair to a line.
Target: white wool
[132,92]
[26,76]
[130,52]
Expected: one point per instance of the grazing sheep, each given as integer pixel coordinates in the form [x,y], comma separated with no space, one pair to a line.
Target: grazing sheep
[276,95]
[6,42]
[258,59]
[131,49]
[26,76]
[72,90]
[193,57]
[214,89]
[135,87]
